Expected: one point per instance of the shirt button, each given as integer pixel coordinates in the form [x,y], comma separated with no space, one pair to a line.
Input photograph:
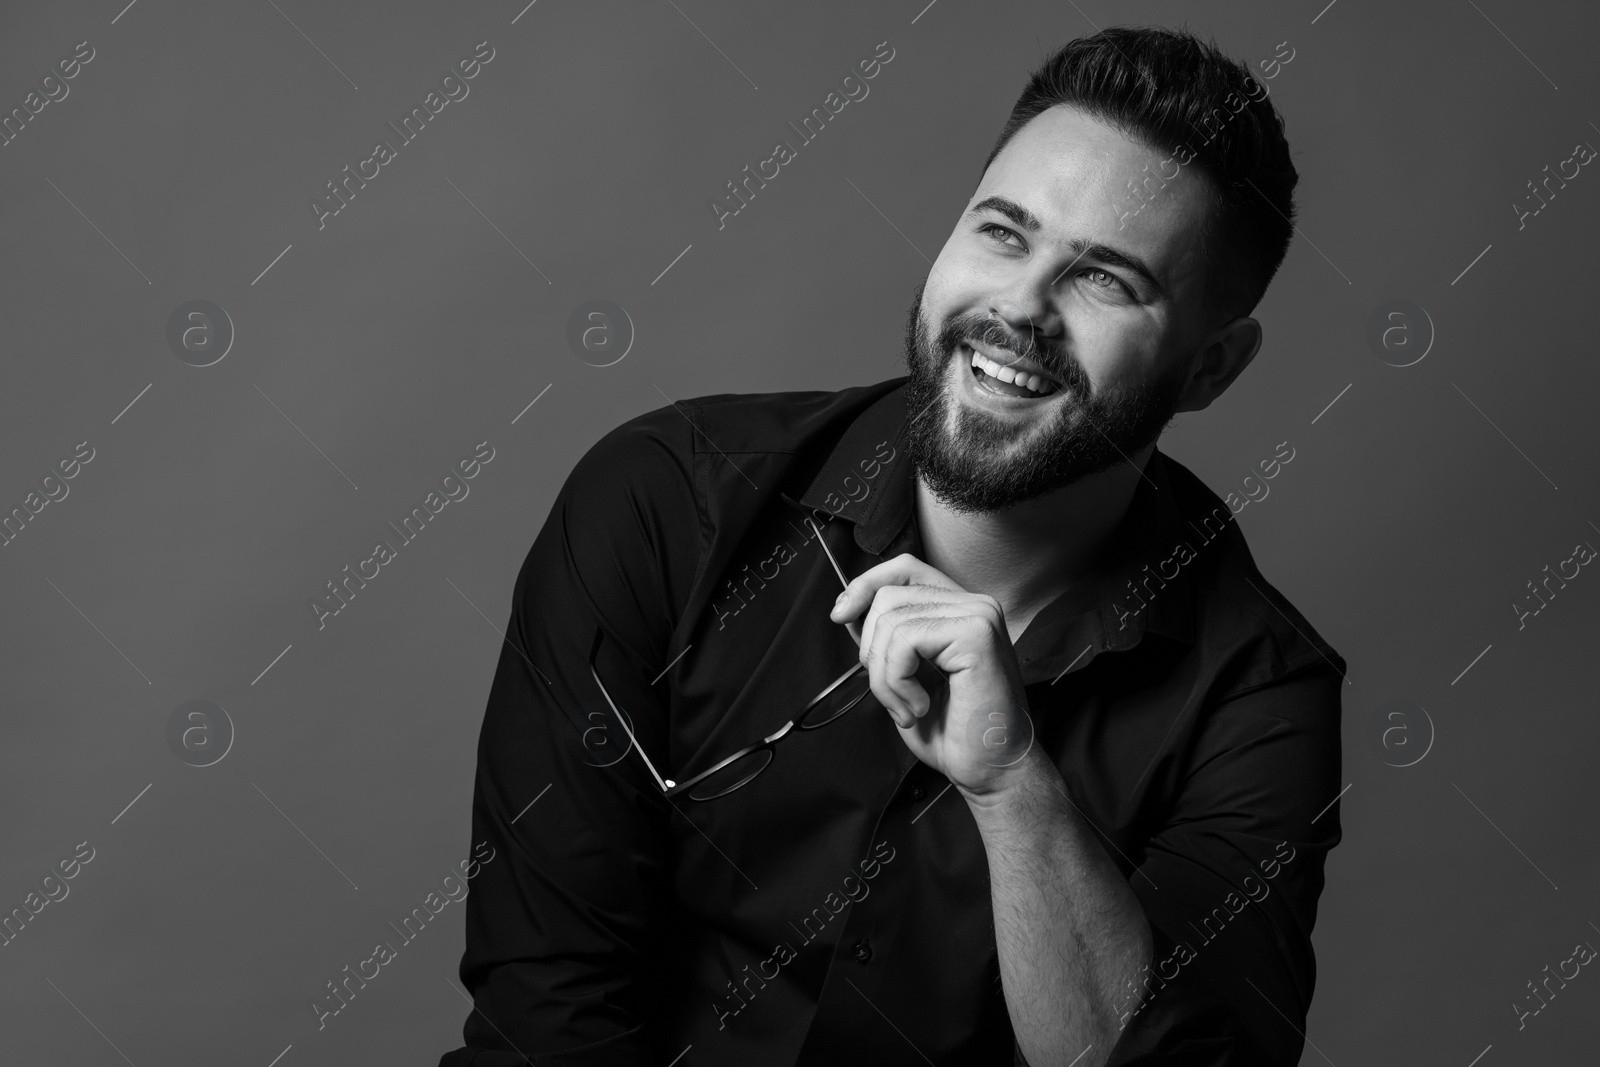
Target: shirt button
[862,951]
[918,793]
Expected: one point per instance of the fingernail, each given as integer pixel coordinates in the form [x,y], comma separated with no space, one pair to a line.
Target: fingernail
[840,598]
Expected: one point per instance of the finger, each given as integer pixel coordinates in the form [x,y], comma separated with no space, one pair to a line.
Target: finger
[904,569]
[877,680]
[910,640]
[882,619]
[874,657]
[894,672]
[892,599]
[941,628]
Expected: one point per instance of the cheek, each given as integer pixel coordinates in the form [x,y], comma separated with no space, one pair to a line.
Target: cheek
[951,266]
[1118,350]
[931,322]
[963,281]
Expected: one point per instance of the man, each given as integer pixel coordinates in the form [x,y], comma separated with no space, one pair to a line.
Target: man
[1052,779]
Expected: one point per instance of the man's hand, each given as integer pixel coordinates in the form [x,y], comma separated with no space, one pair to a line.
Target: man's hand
[1069,931]
[971,726]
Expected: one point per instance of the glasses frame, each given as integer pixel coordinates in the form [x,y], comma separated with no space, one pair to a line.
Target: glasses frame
[672,789]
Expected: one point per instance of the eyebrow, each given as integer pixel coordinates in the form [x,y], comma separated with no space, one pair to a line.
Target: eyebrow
[1011,210]
[1027,220]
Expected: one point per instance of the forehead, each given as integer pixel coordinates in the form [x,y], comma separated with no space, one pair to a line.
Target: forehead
[1072,171]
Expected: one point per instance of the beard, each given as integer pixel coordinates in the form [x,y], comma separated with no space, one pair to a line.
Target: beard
[974,462]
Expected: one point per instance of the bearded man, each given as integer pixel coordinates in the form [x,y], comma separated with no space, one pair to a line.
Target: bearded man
[1052,779]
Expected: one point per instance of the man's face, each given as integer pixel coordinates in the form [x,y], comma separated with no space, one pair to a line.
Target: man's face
[1051,272]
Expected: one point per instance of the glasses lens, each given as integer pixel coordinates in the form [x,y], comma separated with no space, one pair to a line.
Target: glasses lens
[726,779]
[844,695]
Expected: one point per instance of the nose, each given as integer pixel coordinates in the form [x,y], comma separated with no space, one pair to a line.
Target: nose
[1036,322]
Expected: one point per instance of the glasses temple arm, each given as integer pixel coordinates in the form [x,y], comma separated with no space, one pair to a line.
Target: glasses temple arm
[631,739]
[851,627]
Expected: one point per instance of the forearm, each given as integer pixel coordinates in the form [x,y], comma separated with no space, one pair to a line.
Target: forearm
[1069,930]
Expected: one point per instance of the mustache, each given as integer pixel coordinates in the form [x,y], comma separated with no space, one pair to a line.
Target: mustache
[1051,356]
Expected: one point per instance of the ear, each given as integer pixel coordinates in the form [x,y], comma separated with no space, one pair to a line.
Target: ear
[1221,358]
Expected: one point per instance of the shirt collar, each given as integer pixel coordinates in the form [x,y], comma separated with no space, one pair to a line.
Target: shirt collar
[1128,596]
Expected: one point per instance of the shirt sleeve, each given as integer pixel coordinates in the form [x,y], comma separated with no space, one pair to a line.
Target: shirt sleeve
[1230,883]
[561,924]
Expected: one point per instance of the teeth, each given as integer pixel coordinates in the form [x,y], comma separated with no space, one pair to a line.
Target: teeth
[1032,382]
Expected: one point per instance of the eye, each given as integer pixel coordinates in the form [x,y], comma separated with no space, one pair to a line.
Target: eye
[1111,280]
[999,233]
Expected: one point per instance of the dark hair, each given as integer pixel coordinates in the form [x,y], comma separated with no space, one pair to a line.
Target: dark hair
[1166,88]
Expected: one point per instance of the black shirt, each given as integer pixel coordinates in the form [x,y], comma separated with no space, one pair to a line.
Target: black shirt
[836,910]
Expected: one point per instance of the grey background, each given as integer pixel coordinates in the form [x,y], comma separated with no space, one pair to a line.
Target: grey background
[409,329]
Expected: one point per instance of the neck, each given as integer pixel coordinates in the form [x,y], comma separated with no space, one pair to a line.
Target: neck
[1028,555]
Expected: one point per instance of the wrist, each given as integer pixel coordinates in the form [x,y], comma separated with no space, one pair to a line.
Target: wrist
[1031,777]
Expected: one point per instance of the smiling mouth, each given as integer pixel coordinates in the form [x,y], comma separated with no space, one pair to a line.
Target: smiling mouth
[1007,381]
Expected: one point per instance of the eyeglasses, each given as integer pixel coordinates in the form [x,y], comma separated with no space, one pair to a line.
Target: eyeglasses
[739,769]
[842,694]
